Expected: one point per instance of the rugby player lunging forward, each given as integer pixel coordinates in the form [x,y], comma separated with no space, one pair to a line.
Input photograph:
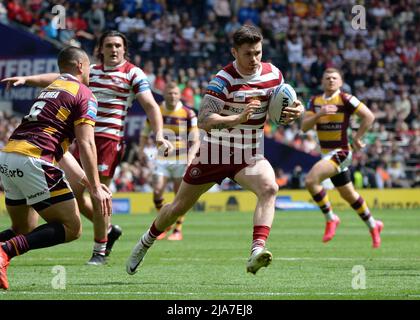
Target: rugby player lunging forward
[33,184]
[330,113]
[232,113]
[115,83]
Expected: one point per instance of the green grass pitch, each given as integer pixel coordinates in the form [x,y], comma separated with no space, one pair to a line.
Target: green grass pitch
[210,262]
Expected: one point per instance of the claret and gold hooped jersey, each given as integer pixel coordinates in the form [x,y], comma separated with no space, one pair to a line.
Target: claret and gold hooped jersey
[332,129]
[177,126]
[48,130]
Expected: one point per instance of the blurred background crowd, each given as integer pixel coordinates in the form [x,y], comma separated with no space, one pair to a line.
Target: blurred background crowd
[189,41]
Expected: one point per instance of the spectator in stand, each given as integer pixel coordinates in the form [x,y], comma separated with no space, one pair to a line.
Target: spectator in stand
[19,12]
[232,26]
[124,180]
[383,178]
[403,105]
[124,22]
[222,10]
[95,18]
[281,178]
[296,179]
[3,14]
[294,53]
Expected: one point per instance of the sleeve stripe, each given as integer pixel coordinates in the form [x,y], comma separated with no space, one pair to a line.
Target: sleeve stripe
[354,101]
[83,120]
[358,107]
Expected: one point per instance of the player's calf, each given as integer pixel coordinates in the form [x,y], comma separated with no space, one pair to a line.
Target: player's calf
[114,233]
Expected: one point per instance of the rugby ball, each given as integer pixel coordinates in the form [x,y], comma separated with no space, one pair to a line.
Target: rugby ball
[283,96]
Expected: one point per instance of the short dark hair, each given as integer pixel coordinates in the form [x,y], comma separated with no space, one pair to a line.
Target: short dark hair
[111,33]
[69,57]
[246,34]
[333,70]
[171,85]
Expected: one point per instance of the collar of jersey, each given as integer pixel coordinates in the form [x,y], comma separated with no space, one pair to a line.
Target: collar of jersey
[331,96]
[114,67]
[69,75]
[178,106]
[257,73]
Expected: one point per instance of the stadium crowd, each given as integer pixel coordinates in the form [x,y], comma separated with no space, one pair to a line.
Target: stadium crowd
[188,41]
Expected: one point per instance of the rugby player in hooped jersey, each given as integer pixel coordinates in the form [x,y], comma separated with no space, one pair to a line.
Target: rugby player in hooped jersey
[236,101]
[115,83]
[33,184]
[180,122]
[330,114]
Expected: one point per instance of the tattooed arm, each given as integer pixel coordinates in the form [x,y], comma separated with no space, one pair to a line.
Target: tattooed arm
[209,115]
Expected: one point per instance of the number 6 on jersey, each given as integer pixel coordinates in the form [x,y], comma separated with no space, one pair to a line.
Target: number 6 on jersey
[35,111]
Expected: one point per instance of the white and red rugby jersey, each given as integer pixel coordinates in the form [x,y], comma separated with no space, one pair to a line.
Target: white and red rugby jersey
[115,88]
[236,91]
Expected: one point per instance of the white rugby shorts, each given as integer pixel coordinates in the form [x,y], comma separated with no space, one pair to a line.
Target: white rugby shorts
[340,158]
[170,169]
[31,179]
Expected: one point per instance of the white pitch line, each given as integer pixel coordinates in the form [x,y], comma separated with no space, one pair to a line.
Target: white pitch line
[298,259]
[244,258]
[155,293]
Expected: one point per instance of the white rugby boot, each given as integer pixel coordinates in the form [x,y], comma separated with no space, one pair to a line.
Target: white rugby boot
[258,260]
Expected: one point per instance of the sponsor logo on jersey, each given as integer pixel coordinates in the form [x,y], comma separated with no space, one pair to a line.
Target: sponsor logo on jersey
[239,96]
[16,173]
[236,110]
[330,126]
[195,172]
[38,194]
[102,167]
[216,85]
[116,80]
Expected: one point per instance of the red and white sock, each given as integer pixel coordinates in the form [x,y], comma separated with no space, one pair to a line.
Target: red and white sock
[259,236]
[150,236]
[100,246]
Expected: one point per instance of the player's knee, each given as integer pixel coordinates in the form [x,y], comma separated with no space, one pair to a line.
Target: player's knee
[73,234]
[73,231]
[269,190]
[310,181]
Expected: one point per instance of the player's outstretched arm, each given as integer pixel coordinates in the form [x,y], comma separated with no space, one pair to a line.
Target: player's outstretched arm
[85,139]
[38,80]
[154,115]
[367,118]
[75,173]
[310,119]
[209,115]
